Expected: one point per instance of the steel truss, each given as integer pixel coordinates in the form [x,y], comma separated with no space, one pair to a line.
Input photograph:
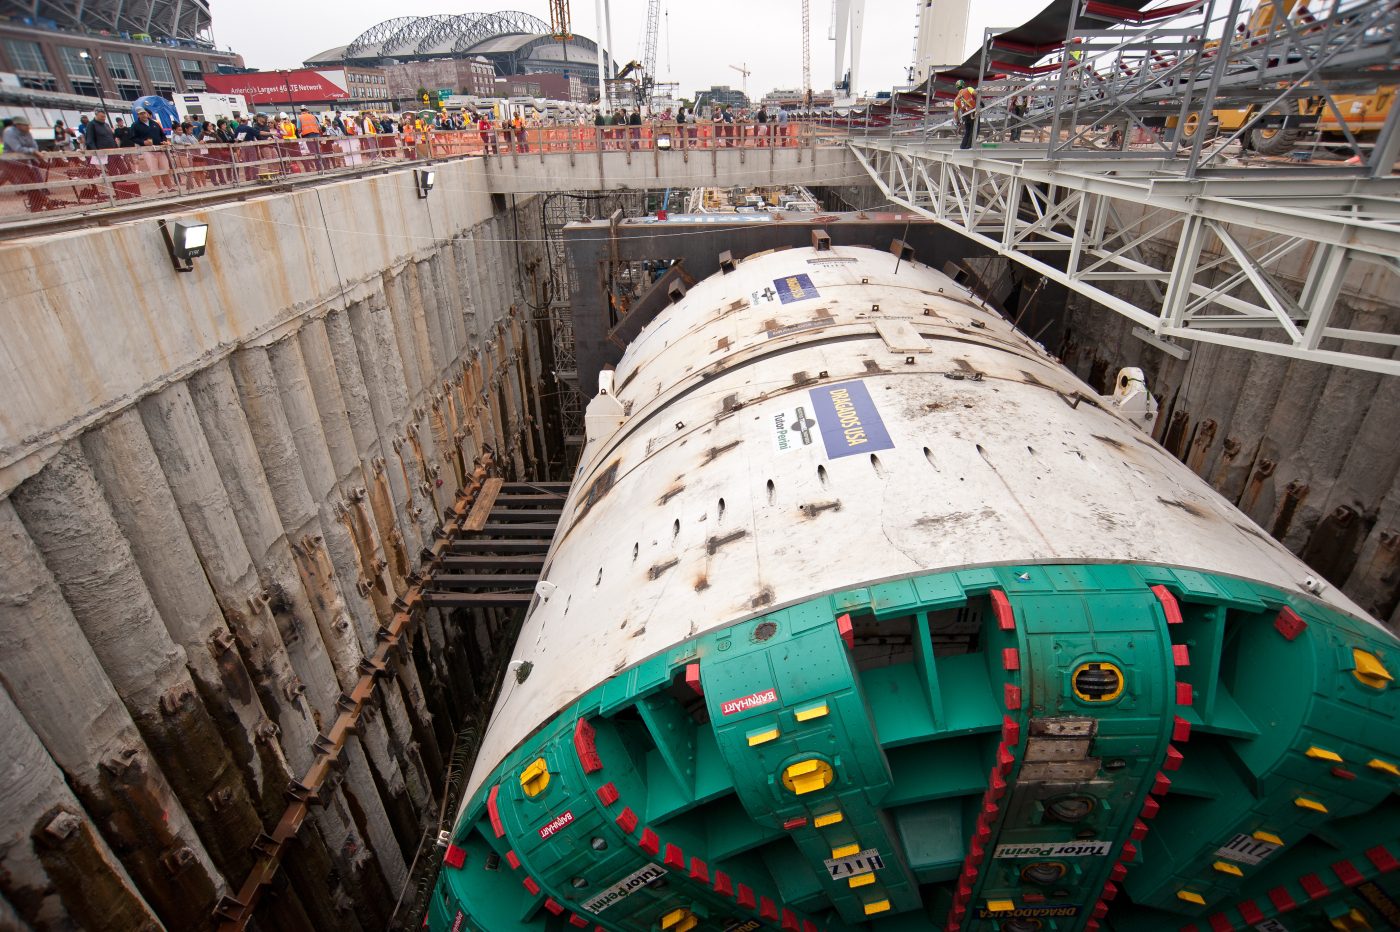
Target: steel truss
[1248,259]
[1116,80]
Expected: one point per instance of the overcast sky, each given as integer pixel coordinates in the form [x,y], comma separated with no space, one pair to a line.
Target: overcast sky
[697,41]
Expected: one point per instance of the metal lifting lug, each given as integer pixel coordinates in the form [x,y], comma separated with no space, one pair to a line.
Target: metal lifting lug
[293,688]
[267,730]
[123,761]
[220,798]
[358,494]
[222,641]
[345,702]
[323,745]
[362,587]
[175,698]
[177,859]
[62,826]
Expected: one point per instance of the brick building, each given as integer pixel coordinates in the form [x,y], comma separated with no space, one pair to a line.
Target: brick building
[91,64]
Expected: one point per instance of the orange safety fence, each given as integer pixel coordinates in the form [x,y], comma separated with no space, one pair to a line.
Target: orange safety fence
[72,182]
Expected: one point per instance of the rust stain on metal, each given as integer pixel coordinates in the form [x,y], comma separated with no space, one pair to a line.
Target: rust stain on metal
[481,508]
[1293,495]
[714,452]
[764,597]
[1201,443]
[714,543]
[702,582]
[813,509]
[1252,491]
[659,568]
[1187,507]
[1116,444]
[670,493]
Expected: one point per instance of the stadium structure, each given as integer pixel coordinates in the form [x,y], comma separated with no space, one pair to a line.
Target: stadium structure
[182,20]
[515,42]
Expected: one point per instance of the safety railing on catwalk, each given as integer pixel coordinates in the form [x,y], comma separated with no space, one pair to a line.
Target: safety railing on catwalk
[50,183]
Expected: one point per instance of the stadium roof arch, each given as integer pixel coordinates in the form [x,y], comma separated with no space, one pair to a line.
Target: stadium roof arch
[187,20]
[408,38]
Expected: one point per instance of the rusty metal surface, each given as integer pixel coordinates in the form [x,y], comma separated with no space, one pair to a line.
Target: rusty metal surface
[235,911]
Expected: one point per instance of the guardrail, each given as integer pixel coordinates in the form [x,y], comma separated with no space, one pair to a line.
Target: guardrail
[56,183]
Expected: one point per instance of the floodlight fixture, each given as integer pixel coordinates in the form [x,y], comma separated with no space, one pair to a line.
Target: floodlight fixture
[424,178]
[185,242]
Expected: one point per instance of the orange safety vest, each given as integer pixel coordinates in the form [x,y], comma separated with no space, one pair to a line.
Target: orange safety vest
[966,101]
[307,123]
[408,133]
[288,128]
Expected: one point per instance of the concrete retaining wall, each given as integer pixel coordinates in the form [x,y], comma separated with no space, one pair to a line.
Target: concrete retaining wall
[213,486]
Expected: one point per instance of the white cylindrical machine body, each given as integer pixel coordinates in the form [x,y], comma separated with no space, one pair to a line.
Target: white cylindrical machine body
[816,421]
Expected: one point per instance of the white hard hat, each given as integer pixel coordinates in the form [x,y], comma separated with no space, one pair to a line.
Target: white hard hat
[281,116]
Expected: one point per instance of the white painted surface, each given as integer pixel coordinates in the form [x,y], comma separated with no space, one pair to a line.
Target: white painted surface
[997,471]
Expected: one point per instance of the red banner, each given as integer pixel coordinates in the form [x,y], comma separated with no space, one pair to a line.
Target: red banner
[281,87]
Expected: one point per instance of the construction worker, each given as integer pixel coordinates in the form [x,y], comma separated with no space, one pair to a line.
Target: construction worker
[307,124]
[965,107]
[285,127]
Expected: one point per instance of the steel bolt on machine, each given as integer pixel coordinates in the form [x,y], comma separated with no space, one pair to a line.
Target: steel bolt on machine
[864,611]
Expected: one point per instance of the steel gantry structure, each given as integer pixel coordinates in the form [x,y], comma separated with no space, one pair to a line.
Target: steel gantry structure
[1099,171]
[1251,258]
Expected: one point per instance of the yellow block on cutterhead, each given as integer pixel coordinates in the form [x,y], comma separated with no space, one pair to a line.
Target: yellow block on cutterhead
[1188,896]
[827,818]
[807,776]
[811,712]
[1384,766]
[1268,837]
[763,736]
[1317,753]
[861,880]
[1369,669]
[1302,802]
[1000,906]
[877,906]
[535,777]
[845,850]
[1225,867]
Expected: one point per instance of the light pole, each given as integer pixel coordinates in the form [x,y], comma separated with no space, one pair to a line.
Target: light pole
[96,82]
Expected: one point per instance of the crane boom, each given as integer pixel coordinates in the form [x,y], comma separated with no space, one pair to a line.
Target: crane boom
[743,70]
[649,50]
[559,26]
[807,51]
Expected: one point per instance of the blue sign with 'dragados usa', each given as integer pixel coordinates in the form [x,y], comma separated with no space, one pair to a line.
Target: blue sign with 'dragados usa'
[848,420]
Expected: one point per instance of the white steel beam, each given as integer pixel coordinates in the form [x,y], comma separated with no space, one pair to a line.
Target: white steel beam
[1035,210]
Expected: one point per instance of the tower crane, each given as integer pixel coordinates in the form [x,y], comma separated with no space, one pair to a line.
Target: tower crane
[807,52]
[743,70]
[647,82]
[559,26]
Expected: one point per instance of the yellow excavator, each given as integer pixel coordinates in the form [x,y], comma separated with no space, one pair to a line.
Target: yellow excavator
[1308,118]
